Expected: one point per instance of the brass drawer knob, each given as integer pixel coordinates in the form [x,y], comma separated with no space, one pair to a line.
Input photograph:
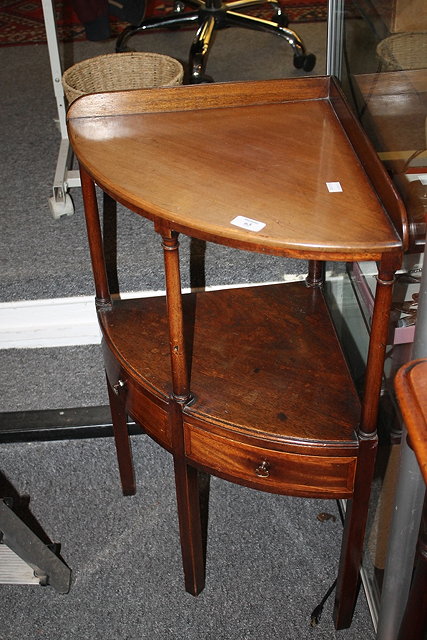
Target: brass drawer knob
[117,388]
[263,469]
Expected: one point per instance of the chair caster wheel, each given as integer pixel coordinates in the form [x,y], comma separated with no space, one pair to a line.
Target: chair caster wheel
[305,62]
[125,49]
[202,80]
[60,208]
[281,20]
[298,61]
[178,9]
[309,62]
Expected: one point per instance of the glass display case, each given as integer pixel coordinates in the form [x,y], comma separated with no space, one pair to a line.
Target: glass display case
[383,70]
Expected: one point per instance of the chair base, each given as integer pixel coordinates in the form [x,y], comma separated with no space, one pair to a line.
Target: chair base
[213,15]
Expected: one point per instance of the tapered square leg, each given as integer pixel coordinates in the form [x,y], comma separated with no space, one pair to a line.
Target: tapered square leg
[190,526]
[122,441]
[348,582]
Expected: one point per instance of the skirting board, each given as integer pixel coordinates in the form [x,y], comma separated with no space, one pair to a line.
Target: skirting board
[57,322]
[62,322]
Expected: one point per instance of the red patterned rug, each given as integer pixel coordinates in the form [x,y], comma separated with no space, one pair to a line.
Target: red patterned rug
[21,21]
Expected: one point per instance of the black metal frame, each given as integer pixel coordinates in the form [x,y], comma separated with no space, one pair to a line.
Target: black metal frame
[59,424]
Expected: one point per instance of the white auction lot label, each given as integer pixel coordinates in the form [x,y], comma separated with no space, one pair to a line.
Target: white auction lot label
[334,187]
[248,223]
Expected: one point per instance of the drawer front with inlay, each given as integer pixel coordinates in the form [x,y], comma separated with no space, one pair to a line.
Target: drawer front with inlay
[151,412]
[269,469]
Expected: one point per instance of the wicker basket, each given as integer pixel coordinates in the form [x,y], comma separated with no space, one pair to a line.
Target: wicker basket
[403,51]
[120,71]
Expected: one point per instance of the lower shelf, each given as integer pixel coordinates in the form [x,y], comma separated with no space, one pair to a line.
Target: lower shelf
[268,379]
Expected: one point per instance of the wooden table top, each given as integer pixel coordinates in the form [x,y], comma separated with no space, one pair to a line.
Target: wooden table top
[205,164]
[411,389]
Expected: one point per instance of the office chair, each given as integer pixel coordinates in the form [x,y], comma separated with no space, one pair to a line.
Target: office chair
[211,15]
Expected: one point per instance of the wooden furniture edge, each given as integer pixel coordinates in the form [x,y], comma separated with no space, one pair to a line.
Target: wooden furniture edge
[189,97]
[206,96]
[414,414]
[307,252]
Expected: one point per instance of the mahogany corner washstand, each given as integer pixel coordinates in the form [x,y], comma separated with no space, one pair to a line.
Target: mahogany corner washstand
[249,384]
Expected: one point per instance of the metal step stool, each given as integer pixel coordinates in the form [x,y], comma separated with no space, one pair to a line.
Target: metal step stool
[24,558]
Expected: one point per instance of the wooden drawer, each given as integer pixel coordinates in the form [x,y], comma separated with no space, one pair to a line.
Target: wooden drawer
[269,469]
[145,407]
[150,412]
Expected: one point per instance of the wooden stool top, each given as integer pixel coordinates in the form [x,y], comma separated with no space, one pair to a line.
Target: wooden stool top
[279,167]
